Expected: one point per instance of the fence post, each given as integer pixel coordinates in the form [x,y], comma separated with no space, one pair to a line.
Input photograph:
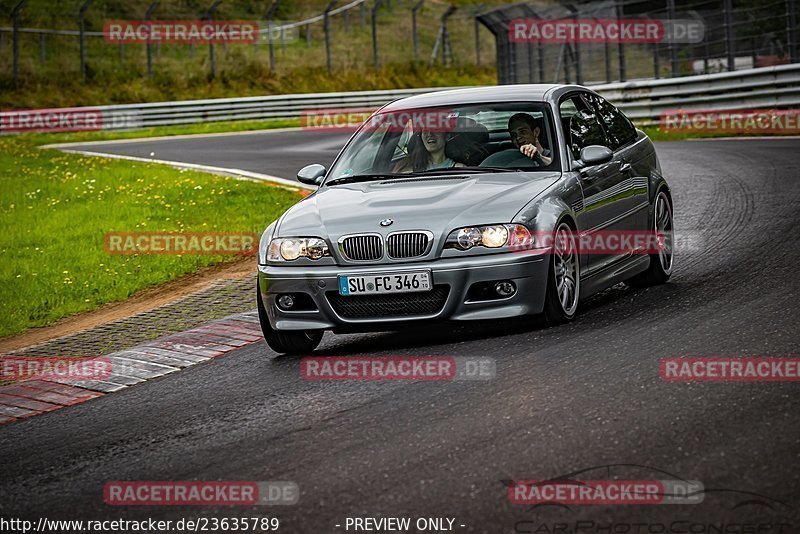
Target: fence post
[791,35]
[447,51]
[327,21]
[574,51]
[729,45]
[414,11]
[477,34]
[270,14]
[618,7]
[82,28]
[147,15]
[209,17]
[375,8]
[15,38]
[673,52]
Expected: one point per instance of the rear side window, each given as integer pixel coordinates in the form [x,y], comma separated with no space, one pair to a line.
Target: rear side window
[581,125]
[620,130]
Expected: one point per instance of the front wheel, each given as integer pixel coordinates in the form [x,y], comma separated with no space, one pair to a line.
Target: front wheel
[563,279]
[287,342]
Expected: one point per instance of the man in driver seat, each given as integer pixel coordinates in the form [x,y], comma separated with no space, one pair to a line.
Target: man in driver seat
[524,131]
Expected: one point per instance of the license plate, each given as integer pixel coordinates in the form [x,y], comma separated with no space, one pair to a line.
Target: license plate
[383,284]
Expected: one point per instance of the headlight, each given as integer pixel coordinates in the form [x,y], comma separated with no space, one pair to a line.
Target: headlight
[291,248]
[513,236]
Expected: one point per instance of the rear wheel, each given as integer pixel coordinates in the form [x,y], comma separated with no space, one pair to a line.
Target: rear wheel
[290,341]
[660,267]
[563,279]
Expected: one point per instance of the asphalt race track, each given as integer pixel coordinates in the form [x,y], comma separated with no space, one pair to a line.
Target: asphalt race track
[274,153]
[564,399]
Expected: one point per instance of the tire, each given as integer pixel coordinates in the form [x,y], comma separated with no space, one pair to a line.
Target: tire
[290,341]
[563,278]
[660,268]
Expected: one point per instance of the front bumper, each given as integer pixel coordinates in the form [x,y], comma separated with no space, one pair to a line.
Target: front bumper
[528,271]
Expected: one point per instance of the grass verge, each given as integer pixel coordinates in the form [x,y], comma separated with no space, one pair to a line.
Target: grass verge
[56,208]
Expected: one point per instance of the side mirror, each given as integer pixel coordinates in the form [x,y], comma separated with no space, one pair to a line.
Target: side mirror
[311,174]
[596,155]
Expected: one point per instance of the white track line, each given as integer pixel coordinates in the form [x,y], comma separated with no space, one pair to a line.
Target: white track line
[234,173]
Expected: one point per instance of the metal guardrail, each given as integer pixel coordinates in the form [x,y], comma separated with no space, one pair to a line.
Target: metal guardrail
[643,101]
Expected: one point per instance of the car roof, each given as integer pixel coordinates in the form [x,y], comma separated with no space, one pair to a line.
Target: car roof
[493,93]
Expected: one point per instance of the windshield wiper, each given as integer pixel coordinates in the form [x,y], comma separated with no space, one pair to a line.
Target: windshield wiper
[365,177]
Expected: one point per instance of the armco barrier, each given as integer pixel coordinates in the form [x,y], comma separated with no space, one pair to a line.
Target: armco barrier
[642,100]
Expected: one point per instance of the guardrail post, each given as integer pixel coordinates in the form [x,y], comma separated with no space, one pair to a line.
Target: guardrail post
[791,34]
[623,75]
[42,51]
[308,35]
[362,13]
[210,17]
[656,62]
[147,15]
[414,11]
[730,50]
[15,38]
[327,21]
[270,14]
[673,52]
[346,21]
[375,33]
[82,29]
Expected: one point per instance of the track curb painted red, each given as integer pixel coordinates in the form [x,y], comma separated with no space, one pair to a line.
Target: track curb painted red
[141,363]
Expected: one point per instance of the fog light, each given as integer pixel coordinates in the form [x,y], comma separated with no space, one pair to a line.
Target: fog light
[506,288]
[285,302]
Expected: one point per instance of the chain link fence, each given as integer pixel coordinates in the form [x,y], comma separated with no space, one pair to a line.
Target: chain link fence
[734,34]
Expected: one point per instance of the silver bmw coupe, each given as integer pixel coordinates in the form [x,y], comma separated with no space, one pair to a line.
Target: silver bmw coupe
[465,205]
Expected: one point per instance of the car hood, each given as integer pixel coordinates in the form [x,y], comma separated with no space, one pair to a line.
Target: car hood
[439,204]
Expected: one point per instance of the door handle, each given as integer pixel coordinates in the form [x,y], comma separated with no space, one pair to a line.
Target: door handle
[625,167]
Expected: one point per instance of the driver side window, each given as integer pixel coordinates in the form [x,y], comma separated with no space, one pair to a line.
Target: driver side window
[580,124]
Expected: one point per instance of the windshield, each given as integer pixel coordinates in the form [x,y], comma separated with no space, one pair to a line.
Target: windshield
[491,136]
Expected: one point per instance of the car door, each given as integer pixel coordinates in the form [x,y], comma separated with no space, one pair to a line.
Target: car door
[603,207]
[632,156]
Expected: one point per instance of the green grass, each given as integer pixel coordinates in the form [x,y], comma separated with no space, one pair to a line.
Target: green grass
[56,208]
